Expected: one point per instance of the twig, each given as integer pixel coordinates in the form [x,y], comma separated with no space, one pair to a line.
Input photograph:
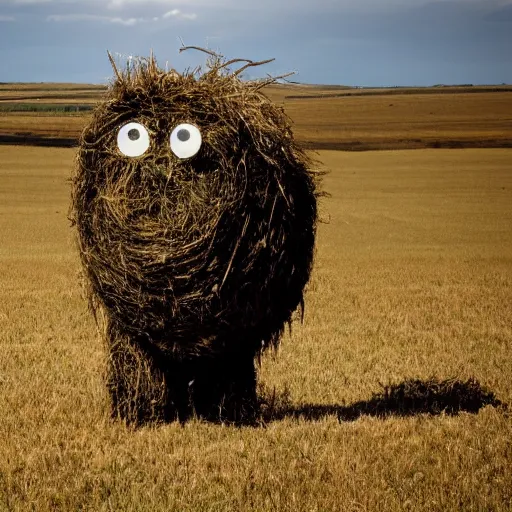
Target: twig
[198,48]
[251,64]
[232,61]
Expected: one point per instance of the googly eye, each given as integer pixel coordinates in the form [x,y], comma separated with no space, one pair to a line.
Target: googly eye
[185,140]
[133,139]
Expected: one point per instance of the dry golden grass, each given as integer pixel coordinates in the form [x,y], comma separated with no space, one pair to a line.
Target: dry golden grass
[403,120]
[413,279]
[42,124]
[52,92]
[365,119]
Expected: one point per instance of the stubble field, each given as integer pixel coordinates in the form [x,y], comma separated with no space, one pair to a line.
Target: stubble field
[325,117]
[412,280]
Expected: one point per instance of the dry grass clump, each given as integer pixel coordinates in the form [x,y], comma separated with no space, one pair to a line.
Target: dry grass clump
[195,264]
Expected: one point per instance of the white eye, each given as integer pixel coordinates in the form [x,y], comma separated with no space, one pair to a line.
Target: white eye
[185,140]
[133,139]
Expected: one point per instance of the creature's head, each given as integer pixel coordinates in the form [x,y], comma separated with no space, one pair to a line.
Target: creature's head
[195,207]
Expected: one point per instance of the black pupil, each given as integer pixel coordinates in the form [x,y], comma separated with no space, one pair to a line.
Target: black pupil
[183,135]
[134,134]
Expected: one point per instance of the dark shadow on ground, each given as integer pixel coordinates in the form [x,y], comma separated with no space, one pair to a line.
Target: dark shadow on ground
[409,398]
[39,141]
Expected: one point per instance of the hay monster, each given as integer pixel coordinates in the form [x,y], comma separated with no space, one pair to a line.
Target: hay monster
[196,212]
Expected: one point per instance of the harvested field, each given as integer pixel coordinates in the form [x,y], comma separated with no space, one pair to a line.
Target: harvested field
[405,121]
[38,124]
[325,117]
[411,288]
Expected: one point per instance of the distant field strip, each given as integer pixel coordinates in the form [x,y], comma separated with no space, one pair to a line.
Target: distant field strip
[396,91]
[324,118]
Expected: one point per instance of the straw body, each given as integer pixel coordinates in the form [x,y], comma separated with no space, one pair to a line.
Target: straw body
[195,263]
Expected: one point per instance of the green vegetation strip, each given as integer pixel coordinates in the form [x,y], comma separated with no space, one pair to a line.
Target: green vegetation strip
[44,107]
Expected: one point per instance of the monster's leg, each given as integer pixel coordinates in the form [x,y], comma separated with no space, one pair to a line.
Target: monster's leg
[136,385]
[224,387]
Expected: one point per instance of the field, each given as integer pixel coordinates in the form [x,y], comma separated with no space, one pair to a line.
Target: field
[413,280]
[325,117]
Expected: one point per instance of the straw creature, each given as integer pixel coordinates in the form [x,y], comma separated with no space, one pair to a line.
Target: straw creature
[196,213]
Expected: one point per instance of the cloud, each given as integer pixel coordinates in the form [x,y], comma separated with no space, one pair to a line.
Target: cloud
[238,4]
[118,4]
[122,3]
[30,2]
[7,18]
[128,22]
[176,13]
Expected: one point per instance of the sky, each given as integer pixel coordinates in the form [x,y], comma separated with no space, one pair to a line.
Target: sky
[356,42]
